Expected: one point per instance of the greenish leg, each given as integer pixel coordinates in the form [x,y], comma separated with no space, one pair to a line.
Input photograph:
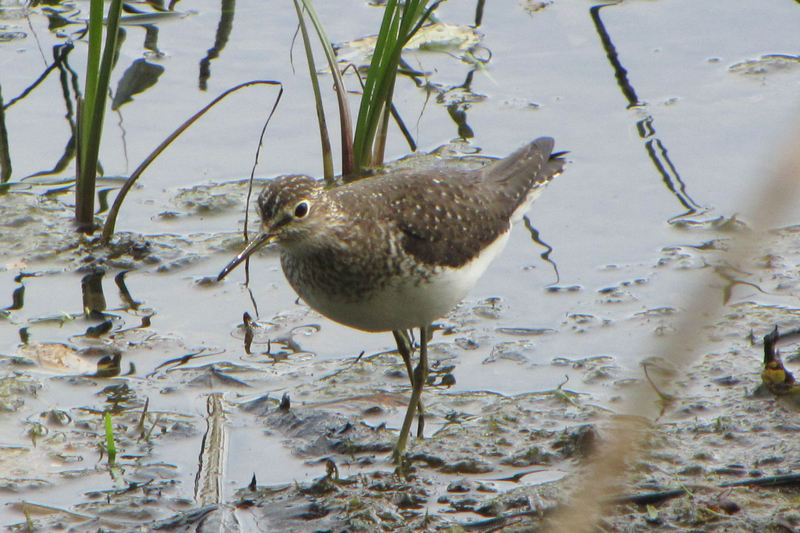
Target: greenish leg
[419,376]
[403,340]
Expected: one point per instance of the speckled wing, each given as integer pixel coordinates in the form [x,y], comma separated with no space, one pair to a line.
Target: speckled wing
[448,216]
[445,217]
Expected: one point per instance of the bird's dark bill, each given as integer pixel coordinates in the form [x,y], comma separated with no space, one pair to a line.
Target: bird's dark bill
[252,246]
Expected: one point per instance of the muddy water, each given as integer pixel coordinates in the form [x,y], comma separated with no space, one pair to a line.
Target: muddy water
[674,116]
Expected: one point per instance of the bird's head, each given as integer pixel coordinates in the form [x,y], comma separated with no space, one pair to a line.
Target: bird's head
[293,209]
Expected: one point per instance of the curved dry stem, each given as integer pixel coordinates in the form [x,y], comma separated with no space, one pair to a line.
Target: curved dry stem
[108,228]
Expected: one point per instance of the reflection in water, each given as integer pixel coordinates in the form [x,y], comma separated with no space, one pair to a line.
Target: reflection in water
[548,249]
[95,332]
[151,40]
[224,27]
[124,294]
[70,91]
[102,200]
[670,177]
[182,360]
[138,77]
[60,53]
[479,12]
[92,289]
[5,157]
[69,83]
[656,150]
[611,52]
[109,366]
[457,108]
[18,296]
[120,396]
[458,112]
[457,99]
[249,334]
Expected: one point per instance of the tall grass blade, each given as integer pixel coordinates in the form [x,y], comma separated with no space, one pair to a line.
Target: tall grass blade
[95,31]
[345,120]
[91,111]
[400,23]
[327,155]
[366,123]
[394,114]
[111,448]
[365,148]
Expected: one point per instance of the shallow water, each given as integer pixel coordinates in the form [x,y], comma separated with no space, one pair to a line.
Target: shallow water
[661,155]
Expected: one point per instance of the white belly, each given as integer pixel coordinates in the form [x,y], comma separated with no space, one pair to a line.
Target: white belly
[406,304]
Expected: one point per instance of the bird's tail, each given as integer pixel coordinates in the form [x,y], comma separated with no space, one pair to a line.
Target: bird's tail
[521,176]
[532,165]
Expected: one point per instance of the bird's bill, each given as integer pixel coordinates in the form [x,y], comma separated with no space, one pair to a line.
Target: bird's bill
[252,246]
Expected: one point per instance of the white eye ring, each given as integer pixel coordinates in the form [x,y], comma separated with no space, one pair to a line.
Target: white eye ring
[301,209]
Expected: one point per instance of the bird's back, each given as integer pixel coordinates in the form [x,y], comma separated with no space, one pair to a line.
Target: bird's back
[445,217]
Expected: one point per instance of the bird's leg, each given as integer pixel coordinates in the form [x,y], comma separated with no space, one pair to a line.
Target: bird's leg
[420,375]
[403,340]
[425,334]
[404,347]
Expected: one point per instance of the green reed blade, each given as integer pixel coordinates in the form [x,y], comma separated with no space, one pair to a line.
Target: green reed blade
[327,157]
[92,107]
[400,23]
[345,120]
[111,448]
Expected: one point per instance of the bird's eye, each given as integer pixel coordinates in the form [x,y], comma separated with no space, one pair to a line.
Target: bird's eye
[301,209]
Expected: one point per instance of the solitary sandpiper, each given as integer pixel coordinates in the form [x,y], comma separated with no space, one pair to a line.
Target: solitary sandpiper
[398,250]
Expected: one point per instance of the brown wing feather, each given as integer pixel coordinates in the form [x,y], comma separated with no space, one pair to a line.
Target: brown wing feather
[448,216]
